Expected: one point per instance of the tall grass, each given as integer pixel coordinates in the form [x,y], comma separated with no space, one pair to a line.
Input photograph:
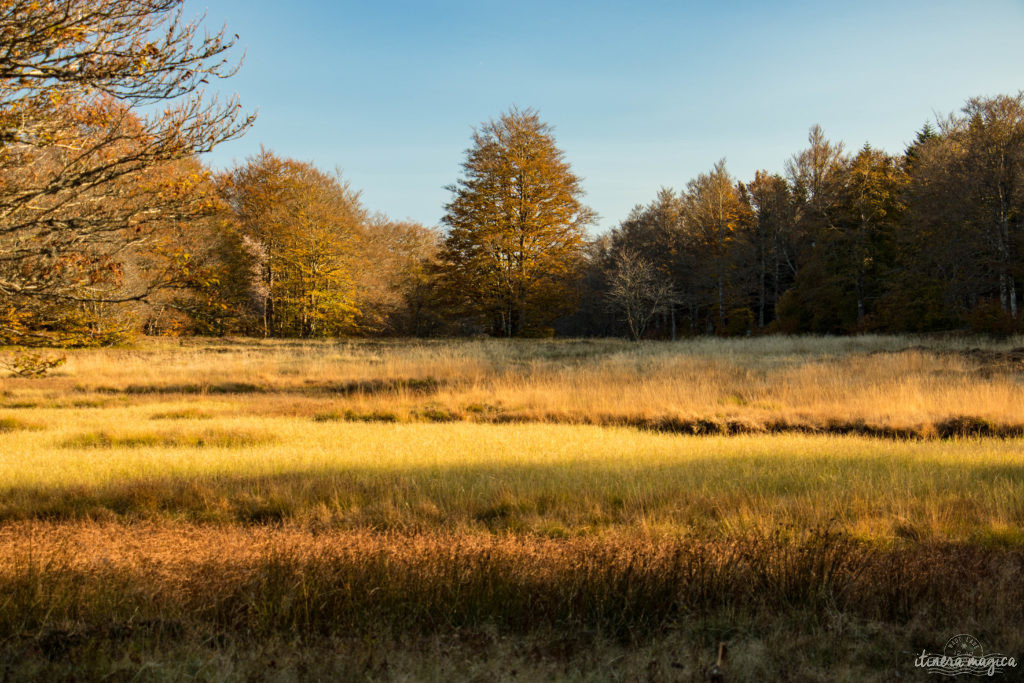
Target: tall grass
[556,480]
[259,581]
[234,510]
[78,596]
[873,385]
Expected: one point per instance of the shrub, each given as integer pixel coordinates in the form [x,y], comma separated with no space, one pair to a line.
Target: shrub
[988,317]
[32,363]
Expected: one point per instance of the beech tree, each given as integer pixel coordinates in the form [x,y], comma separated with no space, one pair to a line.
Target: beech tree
[96,95]
[394,280]
[303,230]
[515,227]
[714,213]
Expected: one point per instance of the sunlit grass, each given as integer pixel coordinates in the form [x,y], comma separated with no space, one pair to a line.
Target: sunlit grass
[869,385]
[541,478]
[219,509]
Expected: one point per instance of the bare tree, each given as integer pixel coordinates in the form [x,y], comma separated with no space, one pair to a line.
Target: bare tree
[637,291]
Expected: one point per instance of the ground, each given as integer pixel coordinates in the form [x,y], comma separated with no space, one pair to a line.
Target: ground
[477,510]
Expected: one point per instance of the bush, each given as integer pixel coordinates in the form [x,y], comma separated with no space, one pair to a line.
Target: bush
[988,317]
[32,363]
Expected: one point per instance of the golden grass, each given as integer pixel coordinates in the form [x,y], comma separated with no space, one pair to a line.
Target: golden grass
[226,509]
[872,385]
[102,598]
[558,480]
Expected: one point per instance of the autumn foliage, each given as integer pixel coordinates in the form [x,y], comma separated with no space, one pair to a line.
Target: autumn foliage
[516,227]
[111,225]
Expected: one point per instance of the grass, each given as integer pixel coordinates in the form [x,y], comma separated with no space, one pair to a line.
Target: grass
[526,477]
[209,438]
[77,587]
[884,386]
[10,424]
[236,510]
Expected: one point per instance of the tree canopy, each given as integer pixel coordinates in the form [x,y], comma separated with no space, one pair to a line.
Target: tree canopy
[110,224]
[515,227]
[100,103]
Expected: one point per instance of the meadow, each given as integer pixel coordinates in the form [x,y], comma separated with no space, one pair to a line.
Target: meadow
[582,509]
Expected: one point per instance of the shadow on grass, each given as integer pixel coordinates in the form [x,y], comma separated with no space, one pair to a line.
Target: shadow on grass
[425,385]
[624,587]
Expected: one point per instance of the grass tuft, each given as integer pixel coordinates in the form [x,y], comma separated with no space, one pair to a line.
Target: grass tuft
[205,439]
[187,414]
[13,424]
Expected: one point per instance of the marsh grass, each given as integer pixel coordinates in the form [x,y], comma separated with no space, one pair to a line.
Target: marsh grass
[75,589]
[184,414]
[557,480]
[349,583]
[237,509]
[11,424]
[211,438]
[879,386]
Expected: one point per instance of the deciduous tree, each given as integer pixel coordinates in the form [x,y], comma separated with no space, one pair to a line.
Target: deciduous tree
[304,230]
[715,213]
[96,95]
[637,291]
[515,227]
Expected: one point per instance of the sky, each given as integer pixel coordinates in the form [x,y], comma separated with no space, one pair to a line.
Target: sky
[641,94]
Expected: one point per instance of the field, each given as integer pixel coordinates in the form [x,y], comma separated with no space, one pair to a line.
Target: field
[582,510]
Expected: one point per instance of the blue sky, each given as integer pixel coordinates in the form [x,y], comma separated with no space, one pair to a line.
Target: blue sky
[641,94]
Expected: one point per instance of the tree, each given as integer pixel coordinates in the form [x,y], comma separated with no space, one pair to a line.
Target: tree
[515,227]
[637,291]
[991,135]
[873,204]
[965,211]
[816,175]
[714,213]
[394,287]
[656,232]
[941,257]
[82,133]
[772,203]
[304,230]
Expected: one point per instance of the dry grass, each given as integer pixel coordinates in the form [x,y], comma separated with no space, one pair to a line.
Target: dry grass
[872,385]
[85,593]
[483,510]
[554,480]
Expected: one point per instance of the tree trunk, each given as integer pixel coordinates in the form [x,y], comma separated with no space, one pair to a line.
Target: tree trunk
[1004,294]
[268,304]
[721,302]
[761,295]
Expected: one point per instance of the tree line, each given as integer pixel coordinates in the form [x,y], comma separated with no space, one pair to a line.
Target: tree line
[111,225]
[840,243]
